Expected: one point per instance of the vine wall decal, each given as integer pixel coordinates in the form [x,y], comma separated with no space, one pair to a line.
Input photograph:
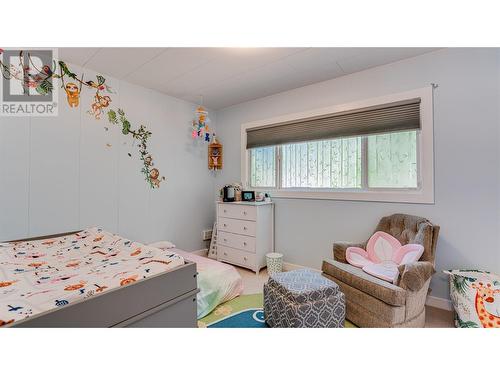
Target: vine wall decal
[42,80]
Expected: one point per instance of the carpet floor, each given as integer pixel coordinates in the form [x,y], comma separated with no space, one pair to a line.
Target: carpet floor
[242,312]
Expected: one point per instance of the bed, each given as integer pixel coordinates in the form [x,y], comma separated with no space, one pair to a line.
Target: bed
[93,278]
[218,282]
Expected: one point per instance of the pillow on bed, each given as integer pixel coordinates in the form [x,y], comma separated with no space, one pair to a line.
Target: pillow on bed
[383,255]
[162,245]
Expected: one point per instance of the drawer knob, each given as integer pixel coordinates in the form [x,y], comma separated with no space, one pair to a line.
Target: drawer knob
[244,228]
[225,253]
[244,212]
[225,225]
[244,243]
[225,240]
[225,211]
[245,259]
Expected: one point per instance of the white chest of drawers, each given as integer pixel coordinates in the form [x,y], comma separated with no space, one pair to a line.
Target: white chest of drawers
[245,233]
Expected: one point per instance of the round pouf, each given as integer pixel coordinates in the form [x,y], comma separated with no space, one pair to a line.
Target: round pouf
[274,263]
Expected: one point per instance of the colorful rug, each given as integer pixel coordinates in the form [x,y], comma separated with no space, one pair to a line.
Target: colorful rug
[242,312]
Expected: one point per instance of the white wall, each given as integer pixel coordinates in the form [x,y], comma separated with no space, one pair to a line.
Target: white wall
[467,172]
[57,174]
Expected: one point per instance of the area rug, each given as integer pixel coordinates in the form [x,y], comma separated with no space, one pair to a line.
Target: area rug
[242,312]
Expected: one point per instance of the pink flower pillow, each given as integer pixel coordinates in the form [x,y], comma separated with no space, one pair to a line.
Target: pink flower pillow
[383,255]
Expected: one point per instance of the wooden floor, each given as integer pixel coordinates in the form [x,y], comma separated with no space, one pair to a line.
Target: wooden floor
[434,317]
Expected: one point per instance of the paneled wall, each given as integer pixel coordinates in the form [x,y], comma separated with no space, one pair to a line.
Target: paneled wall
[68,172]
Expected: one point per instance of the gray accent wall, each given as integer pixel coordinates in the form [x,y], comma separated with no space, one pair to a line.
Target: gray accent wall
[59,174]
[467,165]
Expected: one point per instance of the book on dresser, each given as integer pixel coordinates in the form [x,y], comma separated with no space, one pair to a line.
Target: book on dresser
[245,233]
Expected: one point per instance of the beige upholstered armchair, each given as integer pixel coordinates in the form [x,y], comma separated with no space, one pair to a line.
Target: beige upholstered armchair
[372,302]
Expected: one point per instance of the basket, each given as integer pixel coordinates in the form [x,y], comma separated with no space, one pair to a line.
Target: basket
[274,263]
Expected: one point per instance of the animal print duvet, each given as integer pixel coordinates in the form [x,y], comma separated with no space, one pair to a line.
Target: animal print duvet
[38,276]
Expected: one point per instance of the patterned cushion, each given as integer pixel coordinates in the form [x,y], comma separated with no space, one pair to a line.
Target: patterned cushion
[301,286]
[280,312]
[476,298]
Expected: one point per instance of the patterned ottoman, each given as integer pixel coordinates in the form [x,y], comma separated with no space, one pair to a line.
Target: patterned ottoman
[303,298]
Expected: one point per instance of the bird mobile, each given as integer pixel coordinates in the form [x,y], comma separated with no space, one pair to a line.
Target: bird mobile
[42,80]
[201,129]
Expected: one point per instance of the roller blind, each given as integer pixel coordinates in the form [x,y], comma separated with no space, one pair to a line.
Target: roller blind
[390,117]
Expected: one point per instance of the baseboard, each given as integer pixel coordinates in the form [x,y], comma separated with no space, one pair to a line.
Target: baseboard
[291,266]
[201,252]
[440,303]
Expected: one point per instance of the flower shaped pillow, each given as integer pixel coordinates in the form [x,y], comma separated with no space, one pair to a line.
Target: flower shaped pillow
[383,255]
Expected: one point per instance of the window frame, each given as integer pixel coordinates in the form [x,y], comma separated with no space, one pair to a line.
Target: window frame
[424,193]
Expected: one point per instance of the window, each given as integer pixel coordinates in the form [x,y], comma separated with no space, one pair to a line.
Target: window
[347,159]
[263,167]
[322,164]
[391,162]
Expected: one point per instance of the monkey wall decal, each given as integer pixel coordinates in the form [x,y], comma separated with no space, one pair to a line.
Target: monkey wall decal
[154,176]
[100,102]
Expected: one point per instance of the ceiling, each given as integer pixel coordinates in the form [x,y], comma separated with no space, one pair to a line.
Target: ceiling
[228,76]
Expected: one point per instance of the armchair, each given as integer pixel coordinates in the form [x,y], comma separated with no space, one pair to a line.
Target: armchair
[372,302]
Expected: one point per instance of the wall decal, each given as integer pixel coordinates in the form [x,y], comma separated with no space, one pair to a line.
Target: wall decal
[42,78]
[100,102]
[152,175]
[73,94]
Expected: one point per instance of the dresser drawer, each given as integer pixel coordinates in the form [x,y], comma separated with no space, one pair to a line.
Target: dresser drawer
[248,228]
[237,241]
[235,256]
[236,211]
